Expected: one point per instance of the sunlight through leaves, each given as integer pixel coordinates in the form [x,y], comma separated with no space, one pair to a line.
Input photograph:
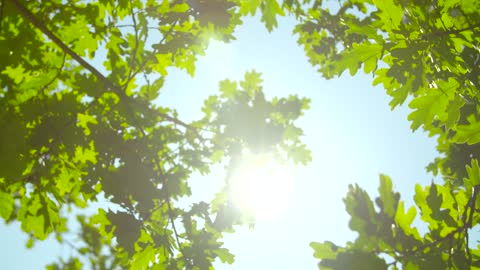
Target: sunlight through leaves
[261,186]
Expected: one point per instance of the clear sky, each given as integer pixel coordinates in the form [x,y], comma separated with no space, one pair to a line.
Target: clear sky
[350,129]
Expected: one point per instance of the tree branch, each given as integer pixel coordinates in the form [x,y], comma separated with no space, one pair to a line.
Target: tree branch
[145,61]
[109,84]
[111,87]
[57,75]
[133,59]
[162,177]
[38,24]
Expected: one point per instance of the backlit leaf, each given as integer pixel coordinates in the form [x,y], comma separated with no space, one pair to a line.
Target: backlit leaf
[427,108]
[468,133]
[326,250]
[351,59]
[6,205]
[142,259]
[224,255]
[386,195]
[474,172]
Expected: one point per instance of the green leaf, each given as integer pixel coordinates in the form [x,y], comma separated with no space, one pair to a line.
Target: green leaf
[127,229]
[224,255]
[270,10]
[180,8]
[249,6]
[390,13]
[6,205]
[326,250]
[453,111]
[386,195]
[35,225]
[228,88]
[400,94]
[354,259]
[468,133]
[351,59]
[365,29]
[300,154]
[292,133]
[251,83]
[84,120]
[474,173]
[411,266]
[84,155]
[469,6]
[217,156]
[17,74]
[142,259]
[420,198]
[66,180]
[361,210]
[404,220]
[427,108]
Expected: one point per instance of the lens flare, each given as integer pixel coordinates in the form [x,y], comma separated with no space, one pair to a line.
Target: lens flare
[261,186]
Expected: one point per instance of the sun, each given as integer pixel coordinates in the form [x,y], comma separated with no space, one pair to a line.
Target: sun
[261,186]
[220,59]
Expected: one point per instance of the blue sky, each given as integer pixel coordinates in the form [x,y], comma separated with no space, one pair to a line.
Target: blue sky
[350,129]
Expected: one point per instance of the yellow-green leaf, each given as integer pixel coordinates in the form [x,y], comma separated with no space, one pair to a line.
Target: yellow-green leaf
[6,205]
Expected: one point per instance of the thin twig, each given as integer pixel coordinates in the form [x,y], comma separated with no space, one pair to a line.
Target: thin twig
[450,252]
[134,51]
[164,38]
[472,206]
[162,177]
[468,224]
[131,25]
[59,71]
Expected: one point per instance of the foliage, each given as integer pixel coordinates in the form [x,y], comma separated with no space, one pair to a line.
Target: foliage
[425,52]
[74,132]
[387,240]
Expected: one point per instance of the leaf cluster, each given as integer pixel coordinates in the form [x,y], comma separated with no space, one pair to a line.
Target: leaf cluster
[74,134]
[388,237]
[426,53]
[422,52]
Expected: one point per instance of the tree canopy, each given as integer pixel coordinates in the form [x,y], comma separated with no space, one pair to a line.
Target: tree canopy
[74,133]
[425,52]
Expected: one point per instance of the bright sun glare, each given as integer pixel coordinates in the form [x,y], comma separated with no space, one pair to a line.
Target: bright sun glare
[220,59]
[261,186]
